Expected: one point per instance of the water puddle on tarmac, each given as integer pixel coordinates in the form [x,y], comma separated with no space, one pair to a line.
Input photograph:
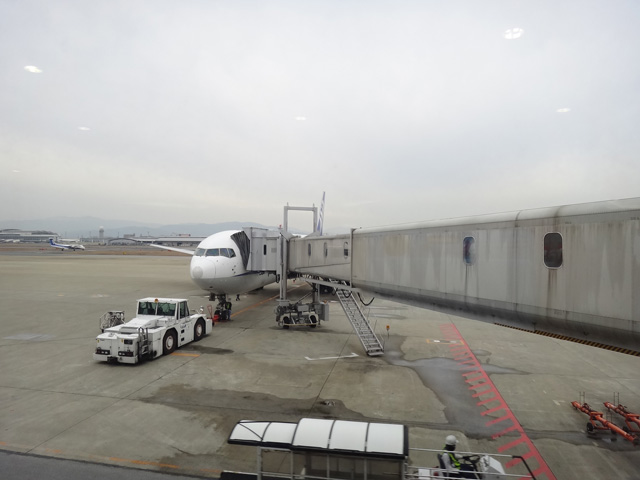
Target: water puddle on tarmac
[444,377]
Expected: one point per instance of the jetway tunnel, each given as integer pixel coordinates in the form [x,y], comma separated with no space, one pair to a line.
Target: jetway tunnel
[570,270]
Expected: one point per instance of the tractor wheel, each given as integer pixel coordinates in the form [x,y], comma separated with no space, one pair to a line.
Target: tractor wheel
[169,342]
[198,330]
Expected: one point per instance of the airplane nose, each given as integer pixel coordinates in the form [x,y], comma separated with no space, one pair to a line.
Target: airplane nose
[202,271]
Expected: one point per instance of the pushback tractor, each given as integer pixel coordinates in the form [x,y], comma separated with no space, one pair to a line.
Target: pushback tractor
[160,327]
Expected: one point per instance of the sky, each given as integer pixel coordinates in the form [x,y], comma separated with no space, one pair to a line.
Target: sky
[179,111]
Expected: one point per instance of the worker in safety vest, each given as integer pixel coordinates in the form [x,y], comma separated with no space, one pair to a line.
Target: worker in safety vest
[450,461]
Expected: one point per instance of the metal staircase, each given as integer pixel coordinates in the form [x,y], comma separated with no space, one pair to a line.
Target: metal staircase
[369,340]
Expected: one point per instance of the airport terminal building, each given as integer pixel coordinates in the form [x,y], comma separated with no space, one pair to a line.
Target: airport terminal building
[14,235]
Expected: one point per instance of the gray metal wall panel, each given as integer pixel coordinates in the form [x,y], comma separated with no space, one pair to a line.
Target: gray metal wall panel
[327,257]
[592,290]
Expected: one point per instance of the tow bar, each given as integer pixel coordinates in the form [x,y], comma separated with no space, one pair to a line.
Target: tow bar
[598,422]
[631,419]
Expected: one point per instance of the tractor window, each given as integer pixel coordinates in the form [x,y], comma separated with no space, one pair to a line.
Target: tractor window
[146,308]
[167,309]
[183,310]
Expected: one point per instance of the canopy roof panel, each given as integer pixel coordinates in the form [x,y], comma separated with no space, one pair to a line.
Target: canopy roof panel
[339,436]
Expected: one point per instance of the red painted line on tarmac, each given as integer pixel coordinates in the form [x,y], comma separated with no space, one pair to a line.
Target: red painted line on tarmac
[468,361]
[488,400]
[484,392]
[509,445]
[508,416]
[505,431]
[493,410]
[478,385]
[517,461]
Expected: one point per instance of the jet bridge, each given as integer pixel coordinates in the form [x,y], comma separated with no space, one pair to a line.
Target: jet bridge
[262,250]
[323,261]
[265,250]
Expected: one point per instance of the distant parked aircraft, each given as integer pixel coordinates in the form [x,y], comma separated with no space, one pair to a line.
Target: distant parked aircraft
[65,246]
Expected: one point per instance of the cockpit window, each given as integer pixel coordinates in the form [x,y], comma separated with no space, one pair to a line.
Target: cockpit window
[215,252]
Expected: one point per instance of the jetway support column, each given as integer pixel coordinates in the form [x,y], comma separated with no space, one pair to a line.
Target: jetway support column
[298,313]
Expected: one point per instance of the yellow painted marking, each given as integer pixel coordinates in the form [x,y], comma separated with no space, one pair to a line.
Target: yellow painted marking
[53,450]
[102,459]
[211,470]
[604,346]
[143,462]
[251,307]
[179,354]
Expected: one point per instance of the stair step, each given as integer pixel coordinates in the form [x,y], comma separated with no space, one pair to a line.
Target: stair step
[361,326]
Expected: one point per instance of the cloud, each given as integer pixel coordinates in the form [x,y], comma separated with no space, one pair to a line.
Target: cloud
[409,111]
[513,33]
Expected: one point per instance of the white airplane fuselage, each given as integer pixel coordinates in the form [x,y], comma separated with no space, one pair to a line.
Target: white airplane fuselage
[63,246]
[217,267]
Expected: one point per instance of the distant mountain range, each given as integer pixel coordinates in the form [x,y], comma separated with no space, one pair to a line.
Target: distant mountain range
[82,227]
[68,227]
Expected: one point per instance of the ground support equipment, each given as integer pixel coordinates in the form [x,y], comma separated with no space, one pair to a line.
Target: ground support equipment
[598,422]
[632,420]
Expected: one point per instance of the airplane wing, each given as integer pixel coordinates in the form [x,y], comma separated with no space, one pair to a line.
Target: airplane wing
[174,249]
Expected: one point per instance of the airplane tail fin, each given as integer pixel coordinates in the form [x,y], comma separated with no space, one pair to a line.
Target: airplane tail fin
[321,216]
[51,241]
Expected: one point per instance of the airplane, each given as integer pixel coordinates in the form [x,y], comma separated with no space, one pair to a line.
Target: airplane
[65,246]
[218,266]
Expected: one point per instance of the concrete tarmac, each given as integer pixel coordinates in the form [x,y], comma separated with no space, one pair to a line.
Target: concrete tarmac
[498,390]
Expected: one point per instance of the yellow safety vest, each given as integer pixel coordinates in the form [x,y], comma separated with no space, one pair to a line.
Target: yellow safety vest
[454,460]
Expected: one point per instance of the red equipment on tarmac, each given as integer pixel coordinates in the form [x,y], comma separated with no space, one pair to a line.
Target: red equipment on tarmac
[596,417]
[629,418]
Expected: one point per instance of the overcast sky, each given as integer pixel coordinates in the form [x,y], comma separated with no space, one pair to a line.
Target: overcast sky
[212,111]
